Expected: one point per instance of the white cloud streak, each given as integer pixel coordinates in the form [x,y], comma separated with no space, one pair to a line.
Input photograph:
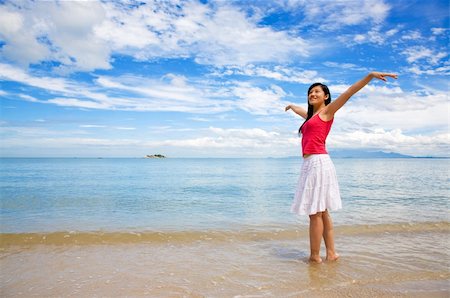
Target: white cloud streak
[278,73]
[171,93]
[332,15]
[260,101]
[250,142]
[394,141]
[417,53]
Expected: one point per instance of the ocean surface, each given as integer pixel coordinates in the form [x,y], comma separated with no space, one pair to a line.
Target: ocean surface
[181,227]
[45,195]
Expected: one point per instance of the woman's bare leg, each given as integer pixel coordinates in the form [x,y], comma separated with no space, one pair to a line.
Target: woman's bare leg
[315,236]
[328,236]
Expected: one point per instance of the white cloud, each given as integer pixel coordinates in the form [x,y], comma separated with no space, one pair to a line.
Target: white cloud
[438,31]
[279,73]
[417,53]
[92,126]
[10,23]
[229,38]
[54,31]
[82,35]
[124,128]
[20,37]
[374,36]
[392,108]
[70,28]
[20,135]
[392,32]
[11,73]
[254,133]
[251,142]
[200,119]
[411,35]
[393,141]
[332,15]
[215,141]
[170,93]
[127,29]
[260,101]
[171,87]
[350,66]
[424,69]
[79,103]
[28,98]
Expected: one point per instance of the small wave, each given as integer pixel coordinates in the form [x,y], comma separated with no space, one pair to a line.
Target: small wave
[160,237]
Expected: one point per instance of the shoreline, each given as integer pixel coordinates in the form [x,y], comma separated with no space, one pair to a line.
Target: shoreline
[241,234]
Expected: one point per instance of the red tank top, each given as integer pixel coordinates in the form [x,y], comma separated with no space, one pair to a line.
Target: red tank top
[314,135]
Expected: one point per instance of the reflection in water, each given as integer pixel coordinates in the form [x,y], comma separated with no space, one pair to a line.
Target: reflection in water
[292,254]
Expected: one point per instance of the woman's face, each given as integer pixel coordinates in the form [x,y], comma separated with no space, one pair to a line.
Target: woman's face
[316,96]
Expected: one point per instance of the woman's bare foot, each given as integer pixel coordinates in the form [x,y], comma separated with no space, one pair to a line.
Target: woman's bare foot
[332,257]
[315,260]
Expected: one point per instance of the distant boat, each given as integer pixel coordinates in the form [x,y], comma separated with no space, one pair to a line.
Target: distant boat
[155,156]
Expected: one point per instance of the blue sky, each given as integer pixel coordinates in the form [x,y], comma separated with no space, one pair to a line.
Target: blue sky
[212,78]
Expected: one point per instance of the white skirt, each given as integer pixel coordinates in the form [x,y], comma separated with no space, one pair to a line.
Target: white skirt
[317,188]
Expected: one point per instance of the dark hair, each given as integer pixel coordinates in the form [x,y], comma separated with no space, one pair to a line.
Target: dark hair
[310,107]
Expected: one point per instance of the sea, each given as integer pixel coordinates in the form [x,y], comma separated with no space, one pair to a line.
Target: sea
[219,227]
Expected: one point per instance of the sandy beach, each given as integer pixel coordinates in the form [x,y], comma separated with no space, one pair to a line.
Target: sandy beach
[376,261]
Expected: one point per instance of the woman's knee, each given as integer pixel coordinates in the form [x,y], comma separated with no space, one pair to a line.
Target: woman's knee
[316,216]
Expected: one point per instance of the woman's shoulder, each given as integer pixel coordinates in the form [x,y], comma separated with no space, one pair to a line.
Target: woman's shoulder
[324,115]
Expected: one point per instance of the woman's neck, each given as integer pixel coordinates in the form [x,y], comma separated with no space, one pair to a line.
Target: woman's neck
[318,108]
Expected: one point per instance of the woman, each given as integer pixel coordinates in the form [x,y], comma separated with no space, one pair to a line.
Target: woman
[318,189]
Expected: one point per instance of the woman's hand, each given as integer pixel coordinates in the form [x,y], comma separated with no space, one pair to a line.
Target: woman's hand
[382,76]
[298,110]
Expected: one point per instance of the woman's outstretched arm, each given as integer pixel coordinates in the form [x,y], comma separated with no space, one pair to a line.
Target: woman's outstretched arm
[298,110]
[335,105]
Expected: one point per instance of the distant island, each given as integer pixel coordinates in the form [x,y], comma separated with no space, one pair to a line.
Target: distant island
[155,156]
[366,154]
[355,153]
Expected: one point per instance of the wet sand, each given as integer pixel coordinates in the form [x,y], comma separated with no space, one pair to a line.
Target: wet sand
[386,261]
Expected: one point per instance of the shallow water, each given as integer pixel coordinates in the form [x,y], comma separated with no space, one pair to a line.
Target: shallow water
[400,262]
